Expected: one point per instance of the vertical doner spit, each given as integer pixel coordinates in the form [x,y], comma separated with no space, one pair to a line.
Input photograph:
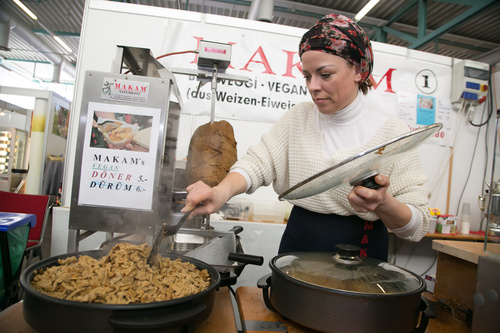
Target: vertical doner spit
[212,149]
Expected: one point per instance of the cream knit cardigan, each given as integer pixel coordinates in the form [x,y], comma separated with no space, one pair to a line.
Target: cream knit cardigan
[293,151]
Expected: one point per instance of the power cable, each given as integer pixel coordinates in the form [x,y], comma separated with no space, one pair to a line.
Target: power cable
[491,83]
[470,169]
[456,130]
[432,265]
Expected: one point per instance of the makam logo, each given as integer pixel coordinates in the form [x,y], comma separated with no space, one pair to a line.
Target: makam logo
[126,88]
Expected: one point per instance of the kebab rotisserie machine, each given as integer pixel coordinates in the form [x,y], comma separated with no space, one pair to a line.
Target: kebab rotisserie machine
[132,218]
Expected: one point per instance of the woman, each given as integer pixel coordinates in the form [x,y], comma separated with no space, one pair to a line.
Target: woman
[337,61]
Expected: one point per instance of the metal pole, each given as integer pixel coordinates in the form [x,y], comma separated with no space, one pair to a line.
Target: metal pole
[214,94]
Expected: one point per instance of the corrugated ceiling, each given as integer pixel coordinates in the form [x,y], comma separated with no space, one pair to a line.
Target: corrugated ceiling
[33,50]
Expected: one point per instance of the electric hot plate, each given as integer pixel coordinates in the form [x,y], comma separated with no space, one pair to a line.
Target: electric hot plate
[361,168]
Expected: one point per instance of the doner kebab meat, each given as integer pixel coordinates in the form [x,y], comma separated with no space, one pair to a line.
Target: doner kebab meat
[212,152]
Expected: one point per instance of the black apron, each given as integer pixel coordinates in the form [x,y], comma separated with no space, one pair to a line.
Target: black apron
[308,231]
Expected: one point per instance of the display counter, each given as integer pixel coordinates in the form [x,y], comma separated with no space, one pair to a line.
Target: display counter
[472,236]
[457,270]
[254,314]
[256,317]
[221,319]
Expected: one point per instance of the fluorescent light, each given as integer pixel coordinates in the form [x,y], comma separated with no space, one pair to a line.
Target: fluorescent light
[26,10]
[63,44]
[365,9]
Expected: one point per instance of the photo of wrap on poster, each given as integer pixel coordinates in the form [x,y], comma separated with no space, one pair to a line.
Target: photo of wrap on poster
[271,63]
[119,176]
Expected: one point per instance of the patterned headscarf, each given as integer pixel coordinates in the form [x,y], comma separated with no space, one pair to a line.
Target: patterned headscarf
[340,36]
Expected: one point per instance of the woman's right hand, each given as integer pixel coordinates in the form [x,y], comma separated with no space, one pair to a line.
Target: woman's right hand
[209,198]
[213,198]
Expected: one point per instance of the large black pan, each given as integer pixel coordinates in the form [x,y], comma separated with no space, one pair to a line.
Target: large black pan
[371,296]
[52,315]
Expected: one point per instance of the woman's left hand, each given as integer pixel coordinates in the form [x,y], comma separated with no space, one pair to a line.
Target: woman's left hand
[365,200]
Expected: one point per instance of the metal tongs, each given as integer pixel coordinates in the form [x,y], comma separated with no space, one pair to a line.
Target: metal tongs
[166,230]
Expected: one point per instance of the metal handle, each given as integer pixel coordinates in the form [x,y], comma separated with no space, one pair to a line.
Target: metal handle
[429,311]
[246,258]
[264,283]
[480,202]
[367,180]
[165,231]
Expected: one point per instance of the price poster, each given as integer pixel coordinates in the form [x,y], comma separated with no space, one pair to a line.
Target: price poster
[119,156]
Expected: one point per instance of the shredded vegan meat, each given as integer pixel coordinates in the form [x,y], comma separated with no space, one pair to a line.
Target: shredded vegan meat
[121,277]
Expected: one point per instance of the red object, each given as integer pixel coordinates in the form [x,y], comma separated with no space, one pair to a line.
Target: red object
[28,204]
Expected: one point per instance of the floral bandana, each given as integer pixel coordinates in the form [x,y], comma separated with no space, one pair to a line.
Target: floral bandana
[340,36]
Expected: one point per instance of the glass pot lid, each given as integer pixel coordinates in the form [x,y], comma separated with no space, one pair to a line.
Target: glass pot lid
[346,271]
[361,168]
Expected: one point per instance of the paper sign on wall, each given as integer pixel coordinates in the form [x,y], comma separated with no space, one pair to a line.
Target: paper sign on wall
[420,110]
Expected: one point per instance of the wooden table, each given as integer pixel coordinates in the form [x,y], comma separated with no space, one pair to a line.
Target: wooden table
[220,320]
[471,237]
[456,268]
[257,318]
[463,237]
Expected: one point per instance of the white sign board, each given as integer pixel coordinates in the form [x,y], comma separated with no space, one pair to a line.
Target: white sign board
[114,177]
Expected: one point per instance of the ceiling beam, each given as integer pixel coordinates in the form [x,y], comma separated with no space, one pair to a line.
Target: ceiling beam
[402,11]
[423,37]
[422,18]
[477,6]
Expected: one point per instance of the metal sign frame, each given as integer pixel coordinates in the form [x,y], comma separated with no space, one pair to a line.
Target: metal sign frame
[117,217]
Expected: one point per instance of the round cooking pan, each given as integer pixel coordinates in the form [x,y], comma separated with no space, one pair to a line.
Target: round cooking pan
[53,315]
[342,293]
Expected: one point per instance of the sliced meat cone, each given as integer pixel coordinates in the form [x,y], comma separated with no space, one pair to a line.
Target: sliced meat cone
[212,152]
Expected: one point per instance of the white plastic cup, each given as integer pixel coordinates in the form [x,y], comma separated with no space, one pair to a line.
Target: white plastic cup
[432,225]
[465,227]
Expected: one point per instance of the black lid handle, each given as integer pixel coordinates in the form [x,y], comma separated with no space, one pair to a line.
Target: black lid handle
[347,255]
[347,251]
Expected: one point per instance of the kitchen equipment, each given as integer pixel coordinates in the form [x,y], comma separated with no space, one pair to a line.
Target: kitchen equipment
[118,218]
[490,205]
[53,315]
[494,192]
[166,231]
[341,292]
[14,150]
[492,211]
[361,168]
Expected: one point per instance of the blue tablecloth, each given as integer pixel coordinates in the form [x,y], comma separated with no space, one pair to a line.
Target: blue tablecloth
[9,221]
